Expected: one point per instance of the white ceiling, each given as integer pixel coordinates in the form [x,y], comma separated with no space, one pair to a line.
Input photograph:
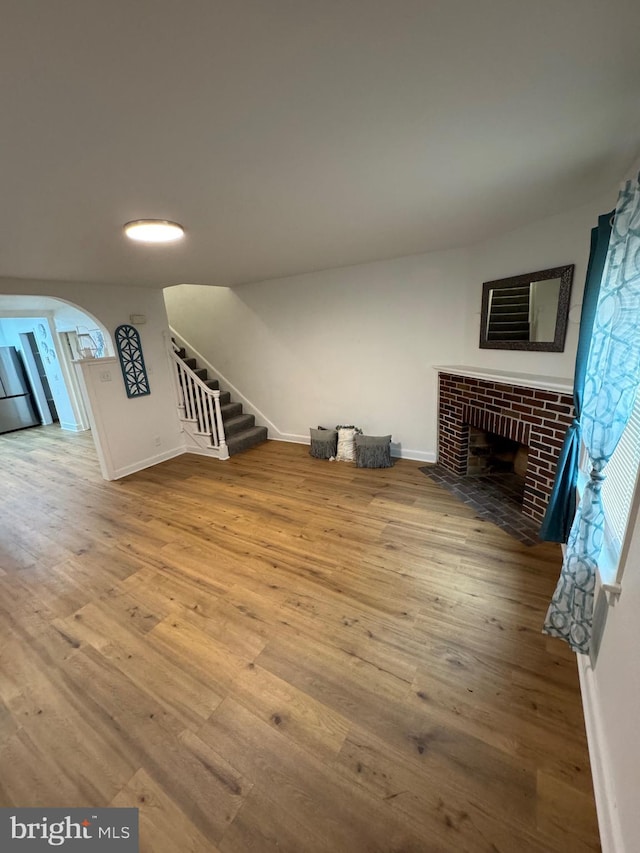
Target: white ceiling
[295,135]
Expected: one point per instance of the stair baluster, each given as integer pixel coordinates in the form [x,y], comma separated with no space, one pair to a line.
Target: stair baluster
[200,404]
[205,414]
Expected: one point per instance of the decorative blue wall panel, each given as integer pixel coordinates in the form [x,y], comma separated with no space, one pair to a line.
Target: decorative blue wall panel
[134,372]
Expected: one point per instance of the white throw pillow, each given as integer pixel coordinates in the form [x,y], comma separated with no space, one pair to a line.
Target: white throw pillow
[346,444]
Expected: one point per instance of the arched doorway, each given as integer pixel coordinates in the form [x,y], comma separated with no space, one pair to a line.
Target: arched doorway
[49,334]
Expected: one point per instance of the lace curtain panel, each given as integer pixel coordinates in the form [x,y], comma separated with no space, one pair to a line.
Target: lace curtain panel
[611,384]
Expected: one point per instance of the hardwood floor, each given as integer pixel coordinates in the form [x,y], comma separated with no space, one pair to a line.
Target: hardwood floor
[278,653]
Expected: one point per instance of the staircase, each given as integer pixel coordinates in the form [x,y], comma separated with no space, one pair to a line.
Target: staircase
[214,423]
[509,314]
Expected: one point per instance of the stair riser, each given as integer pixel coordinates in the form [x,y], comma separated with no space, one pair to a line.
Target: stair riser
[239,424]
[231,410]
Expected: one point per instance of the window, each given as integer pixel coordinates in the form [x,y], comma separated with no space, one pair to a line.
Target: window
[617,495]
[620,483]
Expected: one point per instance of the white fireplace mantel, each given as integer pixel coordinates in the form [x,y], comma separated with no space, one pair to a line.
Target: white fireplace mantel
[511,377]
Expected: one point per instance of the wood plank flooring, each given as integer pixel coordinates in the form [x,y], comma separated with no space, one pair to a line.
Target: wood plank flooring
[278,653]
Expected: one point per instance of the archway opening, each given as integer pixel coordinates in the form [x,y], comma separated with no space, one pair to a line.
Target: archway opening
[42,337]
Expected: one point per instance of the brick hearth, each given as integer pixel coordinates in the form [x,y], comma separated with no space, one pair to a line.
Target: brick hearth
[531,416]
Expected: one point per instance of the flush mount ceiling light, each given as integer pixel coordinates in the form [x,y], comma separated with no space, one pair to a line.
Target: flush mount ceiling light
[154,231]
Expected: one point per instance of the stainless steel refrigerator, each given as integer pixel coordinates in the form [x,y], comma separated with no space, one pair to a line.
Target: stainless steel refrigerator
[16,404]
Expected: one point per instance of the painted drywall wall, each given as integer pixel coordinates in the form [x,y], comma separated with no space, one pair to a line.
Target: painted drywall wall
[323,348]
[143,430]
[348,346]
[39,326]
[611,691]
[552,242]
[67,318]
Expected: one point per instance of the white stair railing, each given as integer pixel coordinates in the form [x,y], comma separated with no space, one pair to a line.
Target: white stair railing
[200,404]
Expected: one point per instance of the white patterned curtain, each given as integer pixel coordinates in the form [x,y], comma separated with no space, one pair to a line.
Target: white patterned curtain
[612,378]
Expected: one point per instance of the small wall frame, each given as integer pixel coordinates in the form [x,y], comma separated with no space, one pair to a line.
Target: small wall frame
[134,372]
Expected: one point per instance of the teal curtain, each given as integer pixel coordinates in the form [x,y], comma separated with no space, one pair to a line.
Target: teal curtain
[561,509]
[610,387]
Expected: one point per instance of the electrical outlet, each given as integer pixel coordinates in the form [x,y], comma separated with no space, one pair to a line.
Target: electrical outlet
[105,376]
[157,441]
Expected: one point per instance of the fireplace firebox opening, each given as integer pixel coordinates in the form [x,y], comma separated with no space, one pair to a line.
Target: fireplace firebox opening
[495,454]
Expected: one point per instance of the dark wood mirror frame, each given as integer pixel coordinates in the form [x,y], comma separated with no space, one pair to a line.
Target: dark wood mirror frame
[565,274]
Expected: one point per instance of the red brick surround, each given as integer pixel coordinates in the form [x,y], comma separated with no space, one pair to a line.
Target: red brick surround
[533,417]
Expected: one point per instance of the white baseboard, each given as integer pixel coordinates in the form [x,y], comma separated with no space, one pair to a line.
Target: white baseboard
[396,452]
[211,452]
[608,822]
[416,455]
[148,462]
[73,427]
[290,438]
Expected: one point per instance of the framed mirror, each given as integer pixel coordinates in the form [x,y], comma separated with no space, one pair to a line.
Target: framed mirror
[527,312]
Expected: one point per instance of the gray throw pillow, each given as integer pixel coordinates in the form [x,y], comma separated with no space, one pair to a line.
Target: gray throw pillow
[324,443]
[373,451]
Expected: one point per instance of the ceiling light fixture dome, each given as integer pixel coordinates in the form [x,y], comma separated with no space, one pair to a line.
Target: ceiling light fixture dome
[154,230]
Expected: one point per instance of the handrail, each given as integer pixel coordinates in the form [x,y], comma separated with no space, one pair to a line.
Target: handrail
[199,402]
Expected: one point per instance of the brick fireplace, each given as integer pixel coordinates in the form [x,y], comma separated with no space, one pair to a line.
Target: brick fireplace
[533,416]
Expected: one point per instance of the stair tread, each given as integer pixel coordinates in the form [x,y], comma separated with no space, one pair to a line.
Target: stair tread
[246,439]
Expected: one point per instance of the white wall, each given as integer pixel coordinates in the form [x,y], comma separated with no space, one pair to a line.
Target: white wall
[611,691]
[67,318]
[358,344]
[552,242]
[352,345]
[141,431]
